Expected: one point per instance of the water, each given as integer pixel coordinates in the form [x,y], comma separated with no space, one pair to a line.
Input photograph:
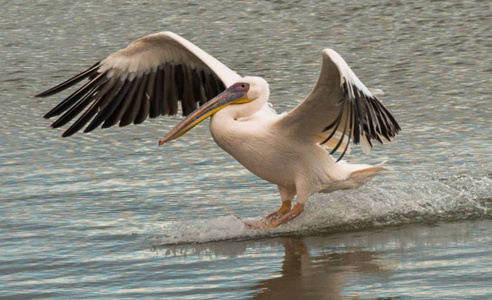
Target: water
[111,215]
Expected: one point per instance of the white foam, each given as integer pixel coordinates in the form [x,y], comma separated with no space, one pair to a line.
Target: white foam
[378,204]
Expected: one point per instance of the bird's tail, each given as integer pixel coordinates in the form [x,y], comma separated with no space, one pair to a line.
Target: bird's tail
[366,174]
[360,174]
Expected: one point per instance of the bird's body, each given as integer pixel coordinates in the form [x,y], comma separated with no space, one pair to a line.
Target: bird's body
[148,78]
[254,141]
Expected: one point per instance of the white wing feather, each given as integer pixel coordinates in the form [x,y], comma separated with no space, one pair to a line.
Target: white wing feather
[149,52]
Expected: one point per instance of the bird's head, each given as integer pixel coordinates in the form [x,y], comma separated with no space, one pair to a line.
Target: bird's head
[246,90]
[258,88]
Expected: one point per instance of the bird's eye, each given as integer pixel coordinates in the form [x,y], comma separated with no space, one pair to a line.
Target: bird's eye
[241,86]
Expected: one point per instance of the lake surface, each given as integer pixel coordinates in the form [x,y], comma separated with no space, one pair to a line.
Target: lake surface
[111,215]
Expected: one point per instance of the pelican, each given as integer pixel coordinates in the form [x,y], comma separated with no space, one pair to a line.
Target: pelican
[293,150]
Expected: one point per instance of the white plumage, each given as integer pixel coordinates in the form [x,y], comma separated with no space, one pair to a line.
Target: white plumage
[154,73]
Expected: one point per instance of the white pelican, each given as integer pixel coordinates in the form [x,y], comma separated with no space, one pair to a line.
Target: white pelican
[153,74]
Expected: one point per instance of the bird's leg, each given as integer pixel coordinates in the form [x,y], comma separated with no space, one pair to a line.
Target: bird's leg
[296,211]
[281,219]
[285,208]
[286,193]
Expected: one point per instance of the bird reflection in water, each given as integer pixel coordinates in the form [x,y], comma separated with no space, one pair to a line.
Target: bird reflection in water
[312,267]
[308,276]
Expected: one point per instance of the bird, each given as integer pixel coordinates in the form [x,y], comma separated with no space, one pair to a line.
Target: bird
[164,73]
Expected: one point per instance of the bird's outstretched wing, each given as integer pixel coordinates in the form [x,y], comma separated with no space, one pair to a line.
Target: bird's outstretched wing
[146,79]
[339,109]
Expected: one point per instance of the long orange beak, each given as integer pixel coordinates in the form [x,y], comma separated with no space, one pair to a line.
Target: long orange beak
[234,94]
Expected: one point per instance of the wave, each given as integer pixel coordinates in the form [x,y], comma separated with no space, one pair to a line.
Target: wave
[411,199]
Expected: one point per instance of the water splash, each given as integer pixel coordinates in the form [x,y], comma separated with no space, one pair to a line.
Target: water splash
[412,199]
